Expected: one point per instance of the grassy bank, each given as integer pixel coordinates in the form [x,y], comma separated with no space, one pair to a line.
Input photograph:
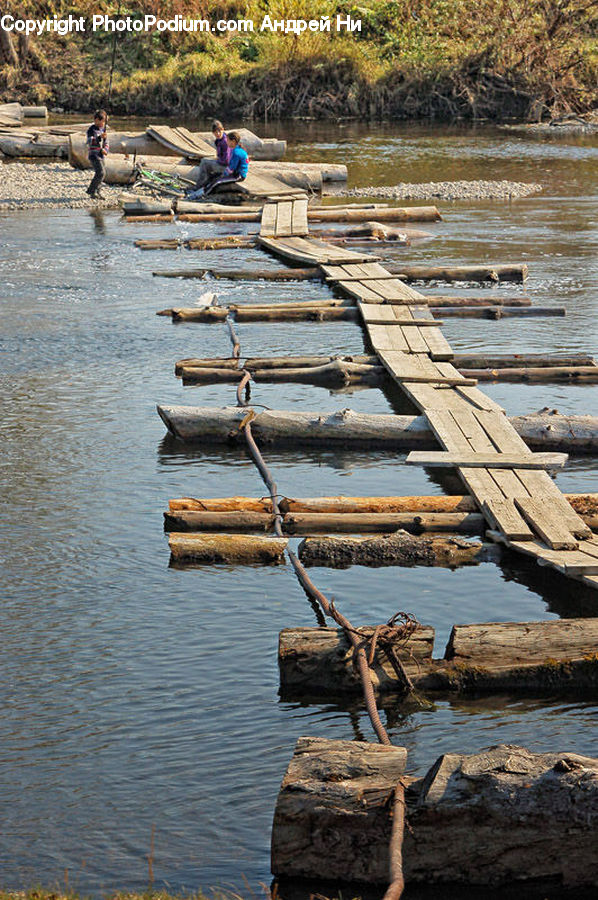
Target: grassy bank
[426,58]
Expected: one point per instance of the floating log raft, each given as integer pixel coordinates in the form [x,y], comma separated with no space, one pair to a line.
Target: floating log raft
[520,657]
[346,428]
[508,807]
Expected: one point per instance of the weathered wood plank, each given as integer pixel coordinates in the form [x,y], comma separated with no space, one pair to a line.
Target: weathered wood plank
[538,512]
[504,516]
[299,217]
[268,220]
[486,460]
[284,213]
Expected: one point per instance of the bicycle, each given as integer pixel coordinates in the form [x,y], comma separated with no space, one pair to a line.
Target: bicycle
[162,182]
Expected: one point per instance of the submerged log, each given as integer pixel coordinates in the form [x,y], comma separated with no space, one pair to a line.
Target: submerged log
[225,548]
[495,273]
[397,549]
[501,816]
[345,428]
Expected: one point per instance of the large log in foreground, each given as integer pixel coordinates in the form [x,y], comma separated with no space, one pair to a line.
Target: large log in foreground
[541,431]
[498,817]
[518,657]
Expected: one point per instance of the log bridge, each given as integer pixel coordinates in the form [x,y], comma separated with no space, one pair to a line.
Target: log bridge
[341,807]
[510,483]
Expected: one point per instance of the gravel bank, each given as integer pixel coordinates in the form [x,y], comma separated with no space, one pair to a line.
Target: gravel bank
[51,185]
[447,190]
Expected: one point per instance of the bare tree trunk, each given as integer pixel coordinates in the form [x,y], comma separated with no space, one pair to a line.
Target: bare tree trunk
[7,48]
[24,44]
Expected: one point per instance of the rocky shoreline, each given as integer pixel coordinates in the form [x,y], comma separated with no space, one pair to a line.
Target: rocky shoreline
[52,185]
[447,190]
[55,185]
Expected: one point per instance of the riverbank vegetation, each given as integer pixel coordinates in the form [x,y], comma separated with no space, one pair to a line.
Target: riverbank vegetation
[529,59]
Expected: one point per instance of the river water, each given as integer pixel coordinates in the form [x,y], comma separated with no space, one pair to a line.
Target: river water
[136,696]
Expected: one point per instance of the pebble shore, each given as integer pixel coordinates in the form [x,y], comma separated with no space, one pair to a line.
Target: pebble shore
[55,185]
[52,185]
[447,190]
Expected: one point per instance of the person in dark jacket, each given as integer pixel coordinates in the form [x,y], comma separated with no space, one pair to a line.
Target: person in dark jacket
[97,150]
[210,169]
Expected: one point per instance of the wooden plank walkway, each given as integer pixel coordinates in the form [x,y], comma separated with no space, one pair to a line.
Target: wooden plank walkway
[518,498]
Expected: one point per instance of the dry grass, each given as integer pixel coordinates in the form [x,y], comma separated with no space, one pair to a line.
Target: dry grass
[443,58]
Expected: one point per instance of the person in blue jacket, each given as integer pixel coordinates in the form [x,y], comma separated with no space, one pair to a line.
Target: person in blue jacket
[238,164]
[237,169]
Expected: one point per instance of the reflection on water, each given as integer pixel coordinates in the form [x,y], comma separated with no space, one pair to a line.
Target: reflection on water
[136,694]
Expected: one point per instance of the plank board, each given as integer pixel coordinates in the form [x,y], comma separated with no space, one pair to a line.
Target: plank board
[504,515]
[546,523]
[486,460]
[268,221]
[569,562]
[284,212]
[405,367]
[299,217]
[383,338]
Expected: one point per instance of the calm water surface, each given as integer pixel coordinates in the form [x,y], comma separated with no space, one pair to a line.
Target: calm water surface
[137,695]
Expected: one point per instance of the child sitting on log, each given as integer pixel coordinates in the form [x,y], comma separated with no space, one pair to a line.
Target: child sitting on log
[211,169]
[237,168]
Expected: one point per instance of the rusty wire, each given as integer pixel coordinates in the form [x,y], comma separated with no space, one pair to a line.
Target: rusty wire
[323,607]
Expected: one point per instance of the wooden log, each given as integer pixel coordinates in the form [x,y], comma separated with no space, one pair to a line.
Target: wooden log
[494,273]
[207,520]
[520,360]
[535,374]
[241,549]
[382,214]
[575,434]
[508,807]
[346,786]
[397,549]
[164,244]
[493,300]
[150,217]
[221,243]
[585,505]
[314,660]
[273,313]
[354,523]
[495,312]
[506,644]
[219,362]
[221,504]
[490,657]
